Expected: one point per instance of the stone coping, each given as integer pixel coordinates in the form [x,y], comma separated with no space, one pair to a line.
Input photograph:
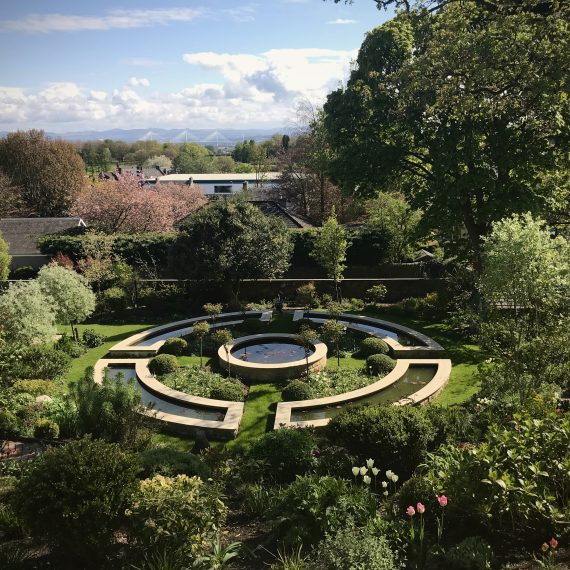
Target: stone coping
[225,429]
[424,395]
[133,344]
[319,346]
[426,345]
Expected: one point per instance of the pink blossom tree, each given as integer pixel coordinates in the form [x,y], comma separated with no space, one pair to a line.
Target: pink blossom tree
[125,206]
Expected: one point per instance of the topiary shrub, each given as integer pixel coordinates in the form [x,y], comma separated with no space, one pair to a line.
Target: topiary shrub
[46,429]
[171,462]
[395,436]
[163,364]
[372,345]
[376,294]
[296,390]
[231,390]
[282,454]
[9,423]
[418,489]
[379,364]
[42,362]
[175,346]
[91,339]
[356,549]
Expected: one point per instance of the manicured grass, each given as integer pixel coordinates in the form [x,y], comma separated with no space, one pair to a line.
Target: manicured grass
[259,412]
[112,334]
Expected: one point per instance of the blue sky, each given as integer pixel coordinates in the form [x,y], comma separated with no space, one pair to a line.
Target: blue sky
[70,65]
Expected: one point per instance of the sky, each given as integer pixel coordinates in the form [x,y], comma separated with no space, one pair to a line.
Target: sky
[69,65]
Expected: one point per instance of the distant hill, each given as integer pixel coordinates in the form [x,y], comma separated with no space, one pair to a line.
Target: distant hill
[215,137]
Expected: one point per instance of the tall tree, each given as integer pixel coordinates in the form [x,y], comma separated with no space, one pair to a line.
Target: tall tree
[330,247]
[69,294]
[50,173]
[231,240]
[467,106]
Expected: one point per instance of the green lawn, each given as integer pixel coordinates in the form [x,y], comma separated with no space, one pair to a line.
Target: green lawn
[262,400]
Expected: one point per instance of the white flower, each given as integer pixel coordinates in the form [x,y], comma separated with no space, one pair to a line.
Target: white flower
[363,471]
[384,484]
[389,474]
[355,471]
[375,471]
[366,479]
[385,493]
[394,478]
[369,463]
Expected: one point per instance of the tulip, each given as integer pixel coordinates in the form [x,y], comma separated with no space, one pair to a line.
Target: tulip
[363,471]
[375,471]
[355,471]
[442,500]
[366,479]
[389,474]
[384,484]
[421,508]
[385,493]
[544,547]
[369,463]
[410,511]
[394,478]
[553,543]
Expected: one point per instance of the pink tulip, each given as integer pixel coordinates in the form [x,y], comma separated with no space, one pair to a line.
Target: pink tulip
[421,508]
[410,511]
[553,543]
[442,500]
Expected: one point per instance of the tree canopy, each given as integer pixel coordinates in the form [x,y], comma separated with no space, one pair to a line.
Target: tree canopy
[231,240]
[49,173]
[466,109]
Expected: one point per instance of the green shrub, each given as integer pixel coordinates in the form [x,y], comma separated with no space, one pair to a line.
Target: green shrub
[70,347]
[74,497]
[175,346]
[330,382]
[313,506]
[511,482]
[113,300]
[46,429]
[376,294]
[355,549]
[283,454]
[306,295]
[334,460]
[472,553]
[379,364]
[176,513]
[42,362]
[395,436]
[10,525]
[418,489]
[9,423]
[231,390]
[163,364]
[372,345]
[34,387]
[170,462]
[296,390]
[253,326]
[198,381]
[91,339]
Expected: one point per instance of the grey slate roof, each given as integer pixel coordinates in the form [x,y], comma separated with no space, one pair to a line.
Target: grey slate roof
[21,233]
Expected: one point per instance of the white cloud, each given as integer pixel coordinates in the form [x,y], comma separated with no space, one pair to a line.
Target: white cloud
[254,90]
[341,22]
[120,19]
[139,82]
[144,62]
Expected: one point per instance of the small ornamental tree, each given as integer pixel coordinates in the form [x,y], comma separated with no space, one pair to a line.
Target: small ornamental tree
[222,337]
[26,315]
[212,310]
[305,338]
[200,330]
[74,497]
[334,330]
[69,292]
[329,250]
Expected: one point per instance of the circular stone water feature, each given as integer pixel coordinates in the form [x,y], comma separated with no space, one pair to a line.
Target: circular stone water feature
[270,357]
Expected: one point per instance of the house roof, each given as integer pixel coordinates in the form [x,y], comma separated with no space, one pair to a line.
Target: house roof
[21,233]
[273,208]
[235,177]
